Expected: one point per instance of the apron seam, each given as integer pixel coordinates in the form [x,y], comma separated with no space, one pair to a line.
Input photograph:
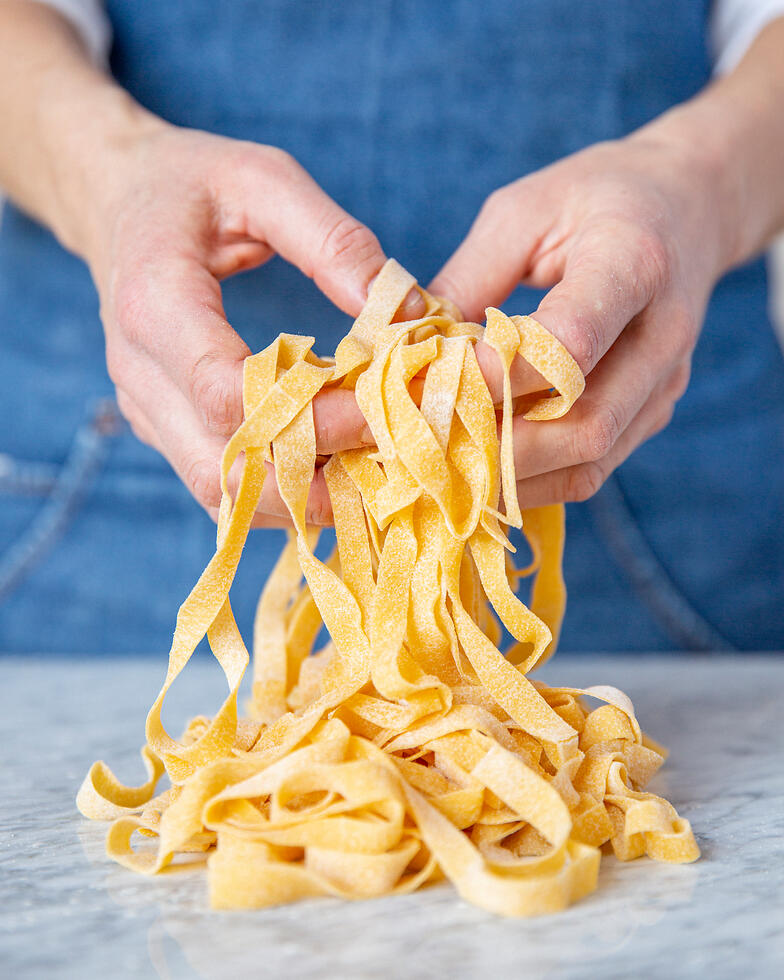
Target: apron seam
[626,544]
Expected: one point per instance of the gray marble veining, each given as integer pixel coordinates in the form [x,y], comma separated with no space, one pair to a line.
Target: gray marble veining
[68,912]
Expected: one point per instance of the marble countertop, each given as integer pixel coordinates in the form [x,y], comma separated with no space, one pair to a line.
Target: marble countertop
[66,911]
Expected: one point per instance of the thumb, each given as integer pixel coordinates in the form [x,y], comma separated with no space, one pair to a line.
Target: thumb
[492,259]
[288,210]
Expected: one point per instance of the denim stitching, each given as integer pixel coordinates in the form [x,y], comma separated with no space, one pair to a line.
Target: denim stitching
[626,543]
[84,458]
[26,477]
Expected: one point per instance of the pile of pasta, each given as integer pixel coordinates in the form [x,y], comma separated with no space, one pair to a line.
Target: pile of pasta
[409,748]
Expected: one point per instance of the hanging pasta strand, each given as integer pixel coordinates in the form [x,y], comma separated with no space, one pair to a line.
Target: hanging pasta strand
[409,748]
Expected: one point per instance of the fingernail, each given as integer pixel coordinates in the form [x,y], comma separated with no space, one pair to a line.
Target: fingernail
[413,307]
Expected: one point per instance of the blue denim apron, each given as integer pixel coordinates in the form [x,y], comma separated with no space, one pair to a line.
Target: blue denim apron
[409,114]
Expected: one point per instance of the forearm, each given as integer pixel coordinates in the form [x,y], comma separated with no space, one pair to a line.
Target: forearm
[735,130]
[65,127]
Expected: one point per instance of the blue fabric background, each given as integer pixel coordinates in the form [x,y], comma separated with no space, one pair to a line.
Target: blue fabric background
[409,114]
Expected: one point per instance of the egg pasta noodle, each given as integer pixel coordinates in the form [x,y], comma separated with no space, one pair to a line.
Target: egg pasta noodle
[409,748]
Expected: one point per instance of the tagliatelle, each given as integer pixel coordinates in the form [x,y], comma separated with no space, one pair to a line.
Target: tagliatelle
[409,748]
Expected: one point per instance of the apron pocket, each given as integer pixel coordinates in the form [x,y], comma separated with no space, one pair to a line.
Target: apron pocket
[62,489]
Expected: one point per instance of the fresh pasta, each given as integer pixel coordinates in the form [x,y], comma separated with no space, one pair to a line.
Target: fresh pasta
[409,748]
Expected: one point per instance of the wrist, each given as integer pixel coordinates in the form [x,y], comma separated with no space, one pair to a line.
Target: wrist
[698,154]
[94,136]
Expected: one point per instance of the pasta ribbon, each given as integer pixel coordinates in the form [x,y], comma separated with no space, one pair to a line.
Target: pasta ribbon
[409,748]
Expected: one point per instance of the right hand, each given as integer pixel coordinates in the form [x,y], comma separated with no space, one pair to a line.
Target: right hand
[187,210]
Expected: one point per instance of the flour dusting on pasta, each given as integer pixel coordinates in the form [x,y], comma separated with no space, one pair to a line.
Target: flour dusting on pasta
[409,748]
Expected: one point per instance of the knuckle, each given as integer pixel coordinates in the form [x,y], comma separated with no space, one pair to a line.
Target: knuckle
[320,511]
[599,433]
[665,417]
[139,431]
[496,203]
[653,260]
[277,157]
[330,433]
[682,378]
[213,391]
[133,417]
[127,408]
[116,365]
[124,403]
[584,340]
[348,241]
[201,478]
[583,481]
[319,504]
[660,419]
[685,327]
[255,158]
[679,381]
[131,310]
[502,199]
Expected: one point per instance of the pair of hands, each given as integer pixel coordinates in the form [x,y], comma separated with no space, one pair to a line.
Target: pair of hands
[620,233]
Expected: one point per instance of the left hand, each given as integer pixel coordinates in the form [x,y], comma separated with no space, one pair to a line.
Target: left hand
[629,236]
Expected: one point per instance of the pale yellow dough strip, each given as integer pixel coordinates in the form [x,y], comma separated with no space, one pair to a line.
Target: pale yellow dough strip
[409,748]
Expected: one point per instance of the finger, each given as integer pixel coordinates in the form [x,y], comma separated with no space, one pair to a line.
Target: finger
[140,426]
[580,482]
[639,362]
[167,418]
[612,273]
[145,432]
[339,422]
[341,425]
[496,253]
[272,510]
[609,272]
[211,376]
[259,520]
[173,312]
[175,429]
[287,209]
[523,377]
[318,512]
